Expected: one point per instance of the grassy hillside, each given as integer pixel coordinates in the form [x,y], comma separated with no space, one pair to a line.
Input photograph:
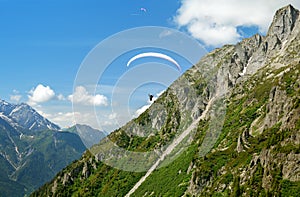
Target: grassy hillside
[243,150]
[251,150]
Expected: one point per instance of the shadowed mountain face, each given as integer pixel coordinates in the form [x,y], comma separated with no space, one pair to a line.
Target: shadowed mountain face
[240,122]
[88,135]
[32,149]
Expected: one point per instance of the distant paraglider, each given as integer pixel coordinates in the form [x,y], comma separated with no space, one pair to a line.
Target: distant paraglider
[143,9]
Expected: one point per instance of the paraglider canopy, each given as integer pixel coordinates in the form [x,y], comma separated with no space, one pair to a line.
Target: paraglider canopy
[157,55]
[143,9]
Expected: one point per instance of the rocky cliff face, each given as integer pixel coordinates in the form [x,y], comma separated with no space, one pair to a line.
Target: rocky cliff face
[254,147]
[266,132]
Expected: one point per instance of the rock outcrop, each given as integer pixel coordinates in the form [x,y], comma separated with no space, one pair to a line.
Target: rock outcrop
[257,149]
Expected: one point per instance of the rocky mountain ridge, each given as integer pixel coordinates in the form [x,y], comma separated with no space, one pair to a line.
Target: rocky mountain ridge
[23,117]
[88,135]
[32,149]
[247,144]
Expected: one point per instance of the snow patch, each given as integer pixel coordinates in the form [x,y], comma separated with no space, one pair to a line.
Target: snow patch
[8,160]
[4,103]
[244,71]
[15,110]
[4,117]
[30,152]
[49,127]
[17,151]
[32,126]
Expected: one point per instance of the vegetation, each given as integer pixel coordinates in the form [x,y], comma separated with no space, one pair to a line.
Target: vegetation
[259,136]
[219,173]
[171,180]
[46,154]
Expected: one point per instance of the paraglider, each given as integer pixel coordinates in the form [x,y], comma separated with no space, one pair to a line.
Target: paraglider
[150,97]
[154,54]
[143,9]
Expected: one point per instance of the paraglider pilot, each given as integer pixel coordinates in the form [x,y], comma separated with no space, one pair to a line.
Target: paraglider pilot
[150,97]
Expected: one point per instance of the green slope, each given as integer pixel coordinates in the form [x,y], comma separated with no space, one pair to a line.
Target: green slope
[40,158]
[257,152]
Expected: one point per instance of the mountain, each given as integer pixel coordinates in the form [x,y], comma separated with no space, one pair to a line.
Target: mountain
[88,135]
[32,149]
[23,117]
[229,126]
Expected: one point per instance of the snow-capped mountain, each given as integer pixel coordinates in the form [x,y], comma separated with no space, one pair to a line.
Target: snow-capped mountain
[32,149]
[22,116]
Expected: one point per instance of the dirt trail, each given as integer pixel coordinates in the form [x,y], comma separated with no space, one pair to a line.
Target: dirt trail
[171,148]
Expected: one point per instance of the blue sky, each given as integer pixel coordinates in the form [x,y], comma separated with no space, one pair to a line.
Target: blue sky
[50,38]
[43,43]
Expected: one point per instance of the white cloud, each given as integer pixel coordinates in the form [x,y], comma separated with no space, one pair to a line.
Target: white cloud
[112,116]
[81,96]
[15,98]
[215,22]
[61,97]
[63,119]
[141,110]
[38,109]
[108,123]
[66,119]
[145,107]
[40,94]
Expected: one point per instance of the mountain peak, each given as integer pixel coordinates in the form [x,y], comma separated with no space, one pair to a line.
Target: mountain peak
[88,135]
[284,22]
[25,117]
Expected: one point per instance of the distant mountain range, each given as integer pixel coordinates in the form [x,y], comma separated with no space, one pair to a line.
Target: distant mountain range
[88,135]
[33,149]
